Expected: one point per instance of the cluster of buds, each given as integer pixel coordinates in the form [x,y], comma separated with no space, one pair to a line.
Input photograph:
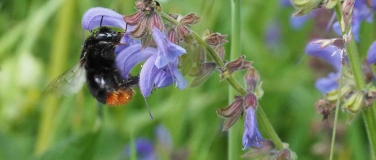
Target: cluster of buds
[353,100]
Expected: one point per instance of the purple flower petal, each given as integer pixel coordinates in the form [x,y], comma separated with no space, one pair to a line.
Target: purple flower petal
[144,149]
[92,18]
[326,54]
[371,55]
[147,76]
[174,51]
[160,39]
[163,79]
[131,56]
[125,42]
[168,51]
[164,137]
[328,84]
[273,35]
[251,135]
[181,82]
[161,61]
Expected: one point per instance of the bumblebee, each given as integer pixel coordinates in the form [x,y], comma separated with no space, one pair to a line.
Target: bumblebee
[97,68]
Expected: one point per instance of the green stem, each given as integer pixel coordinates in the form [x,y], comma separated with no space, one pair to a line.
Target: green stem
[261,116]
[233,132]
[368,115]
[336,114]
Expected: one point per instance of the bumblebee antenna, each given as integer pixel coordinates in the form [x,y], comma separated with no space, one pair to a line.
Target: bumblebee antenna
[100,24]
[147,105]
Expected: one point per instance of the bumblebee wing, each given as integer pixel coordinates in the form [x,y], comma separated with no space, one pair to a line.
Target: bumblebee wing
[70,82]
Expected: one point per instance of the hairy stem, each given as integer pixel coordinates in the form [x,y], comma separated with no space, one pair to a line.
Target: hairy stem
[353,55]
[261,116]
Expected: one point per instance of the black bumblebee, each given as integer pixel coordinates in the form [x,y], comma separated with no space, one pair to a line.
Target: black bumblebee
[97,67]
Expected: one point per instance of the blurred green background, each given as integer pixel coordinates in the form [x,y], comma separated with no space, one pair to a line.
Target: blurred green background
[41,39]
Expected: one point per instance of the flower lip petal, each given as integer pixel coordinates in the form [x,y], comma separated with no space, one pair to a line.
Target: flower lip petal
[251,135]
[93,17]
[147,76]
[181,82]
[174,51]
[371,55]
[163,79]
[327,84]
[168,51]
[159,38]
[325,53]
[131,56]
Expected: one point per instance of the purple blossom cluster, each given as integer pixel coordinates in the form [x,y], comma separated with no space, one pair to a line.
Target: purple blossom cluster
[161,62]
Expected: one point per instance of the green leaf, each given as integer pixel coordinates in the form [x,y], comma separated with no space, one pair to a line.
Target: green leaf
[74,148]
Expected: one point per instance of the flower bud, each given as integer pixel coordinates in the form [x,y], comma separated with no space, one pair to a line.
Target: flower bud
[231,112]
[370,98]
[324,107]
[190,19]
[216,39]
[333,95]
[303,7]
[182,31]
[250,100]
[284,154]
[355,102]
[220,50]
[171,35]
[251,79]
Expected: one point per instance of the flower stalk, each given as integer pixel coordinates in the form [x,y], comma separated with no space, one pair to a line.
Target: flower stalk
[261,116]
[233,132]
[340,83]
[368,115]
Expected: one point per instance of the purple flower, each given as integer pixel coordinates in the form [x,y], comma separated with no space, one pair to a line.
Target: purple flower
[371,55]
[144,149]
[361,13]
[327,84]
[168,52]
[93,17]
[251,135]
[160,67]
[273,35]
